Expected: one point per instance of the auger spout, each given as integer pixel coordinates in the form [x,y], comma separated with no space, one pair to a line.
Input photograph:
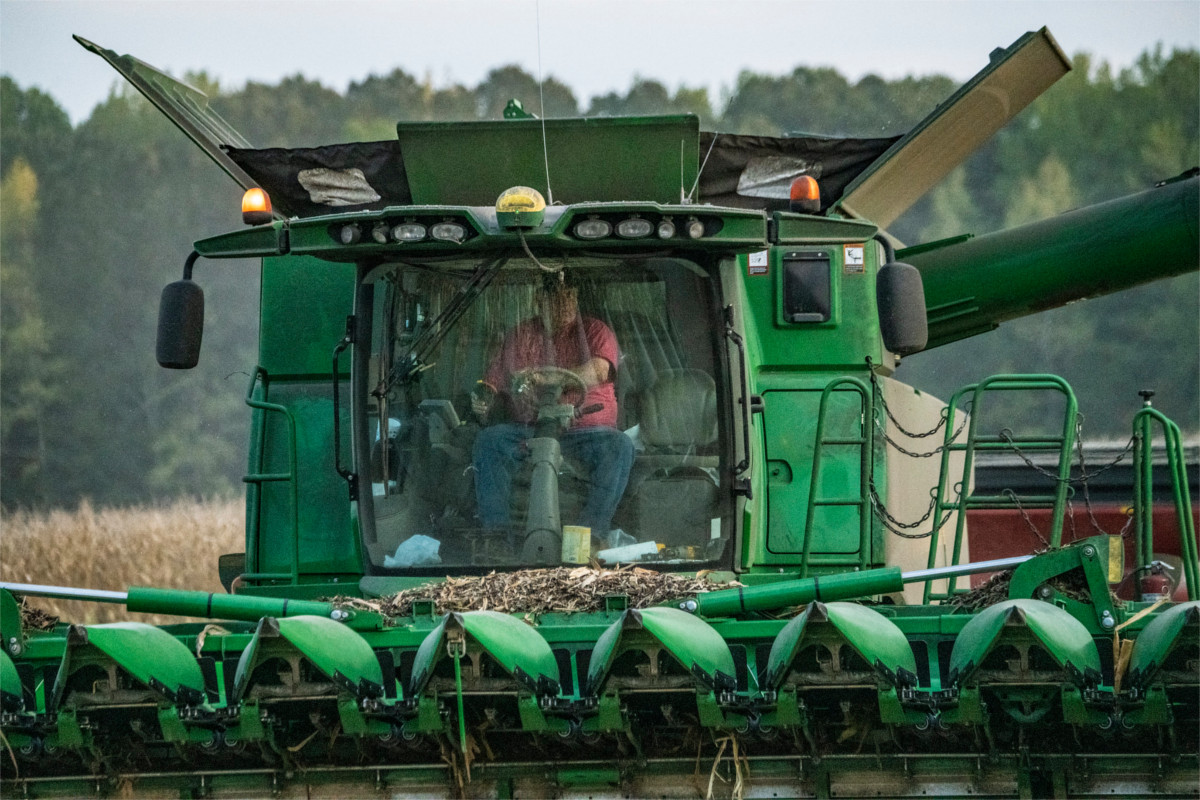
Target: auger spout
[974,284]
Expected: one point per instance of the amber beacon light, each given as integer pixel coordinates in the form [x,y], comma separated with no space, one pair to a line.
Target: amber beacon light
[805,194]
[256,207]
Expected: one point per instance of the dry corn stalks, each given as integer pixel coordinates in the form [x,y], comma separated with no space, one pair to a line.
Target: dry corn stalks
[541,591]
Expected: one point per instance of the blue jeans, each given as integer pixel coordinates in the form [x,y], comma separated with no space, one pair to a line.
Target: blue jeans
[500,452]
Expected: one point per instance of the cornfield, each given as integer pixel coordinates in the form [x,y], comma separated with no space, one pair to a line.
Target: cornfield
[174,545]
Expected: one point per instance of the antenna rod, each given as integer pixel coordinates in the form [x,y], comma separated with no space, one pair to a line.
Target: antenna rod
[542,101]
[682,196]
[704,164]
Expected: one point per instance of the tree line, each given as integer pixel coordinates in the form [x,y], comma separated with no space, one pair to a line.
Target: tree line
[98,216]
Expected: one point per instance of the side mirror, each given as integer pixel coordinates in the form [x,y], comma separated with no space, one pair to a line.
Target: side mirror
[180,325]
[903,322]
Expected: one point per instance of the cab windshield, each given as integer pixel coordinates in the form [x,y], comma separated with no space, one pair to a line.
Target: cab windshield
[526,413]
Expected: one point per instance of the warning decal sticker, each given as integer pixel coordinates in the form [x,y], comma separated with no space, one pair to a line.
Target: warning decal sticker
[853,259]
[757,263]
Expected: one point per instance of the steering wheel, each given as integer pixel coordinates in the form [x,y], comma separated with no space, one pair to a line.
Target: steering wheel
[547,384]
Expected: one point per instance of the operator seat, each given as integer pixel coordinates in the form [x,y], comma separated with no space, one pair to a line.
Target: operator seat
[675,481]
[648,348]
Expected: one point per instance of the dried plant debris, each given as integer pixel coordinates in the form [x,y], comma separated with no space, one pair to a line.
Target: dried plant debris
[540,591]
[1072,584]
[36,619]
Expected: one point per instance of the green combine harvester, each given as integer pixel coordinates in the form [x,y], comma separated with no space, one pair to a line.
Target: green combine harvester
[496,347]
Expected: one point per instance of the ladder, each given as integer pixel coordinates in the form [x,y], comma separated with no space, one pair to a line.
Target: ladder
[963,498]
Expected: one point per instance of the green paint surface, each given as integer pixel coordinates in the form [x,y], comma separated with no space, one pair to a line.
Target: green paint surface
[1159,638]
[146,653]
[1063,636]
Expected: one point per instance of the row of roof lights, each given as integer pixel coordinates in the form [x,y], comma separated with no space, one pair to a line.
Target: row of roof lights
[410,231]
[635,228]
[591,228]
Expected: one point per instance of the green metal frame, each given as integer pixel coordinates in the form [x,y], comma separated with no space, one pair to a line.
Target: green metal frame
[1063,637]
[150,655]
[1157,639]
[10,682]
[691,641]
[1101,559]
[876,638]
[1143,494]
[866,466]
[335,649]
[1063,444]
[257,479]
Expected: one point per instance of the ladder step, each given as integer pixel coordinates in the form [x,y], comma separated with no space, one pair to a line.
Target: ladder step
[947,595]
[976,500]
[1002,444]
[267,477]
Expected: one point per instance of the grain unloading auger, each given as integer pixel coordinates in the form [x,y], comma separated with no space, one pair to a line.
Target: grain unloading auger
[738,343]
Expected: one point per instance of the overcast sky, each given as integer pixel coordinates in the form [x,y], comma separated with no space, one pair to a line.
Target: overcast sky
[594,47]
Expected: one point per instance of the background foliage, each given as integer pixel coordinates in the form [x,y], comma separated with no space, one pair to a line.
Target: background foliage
[98,217]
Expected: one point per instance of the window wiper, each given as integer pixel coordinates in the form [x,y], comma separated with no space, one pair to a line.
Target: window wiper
[413,363]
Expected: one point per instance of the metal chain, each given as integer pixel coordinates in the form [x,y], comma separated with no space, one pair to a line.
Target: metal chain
[1011,495]
[942,417]
[912,454]
[1087,495]
[883,402]
[1083,478]
[1006,434]
[881,513]
[894,525]
[1084,475]
[1124,532]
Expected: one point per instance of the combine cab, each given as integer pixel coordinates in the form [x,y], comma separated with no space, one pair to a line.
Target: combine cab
[621,353]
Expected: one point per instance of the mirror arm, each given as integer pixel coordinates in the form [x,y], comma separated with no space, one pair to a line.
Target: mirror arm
[191,262]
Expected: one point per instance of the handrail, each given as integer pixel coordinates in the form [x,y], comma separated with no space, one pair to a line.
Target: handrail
[257,479]
[866,464]
[740,343]
[347,473]
[1143,494]
[977,441]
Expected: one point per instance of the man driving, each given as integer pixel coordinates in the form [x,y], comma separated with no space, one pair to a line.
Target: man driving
[559,338]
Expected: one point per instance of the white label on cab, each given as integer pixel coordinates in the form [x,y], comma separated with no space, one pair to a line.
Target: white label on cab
[853,259]
[757,263]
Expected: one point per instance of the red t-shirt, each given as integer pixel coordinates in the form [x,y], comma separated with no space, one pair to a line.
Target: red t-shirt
[530,345]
